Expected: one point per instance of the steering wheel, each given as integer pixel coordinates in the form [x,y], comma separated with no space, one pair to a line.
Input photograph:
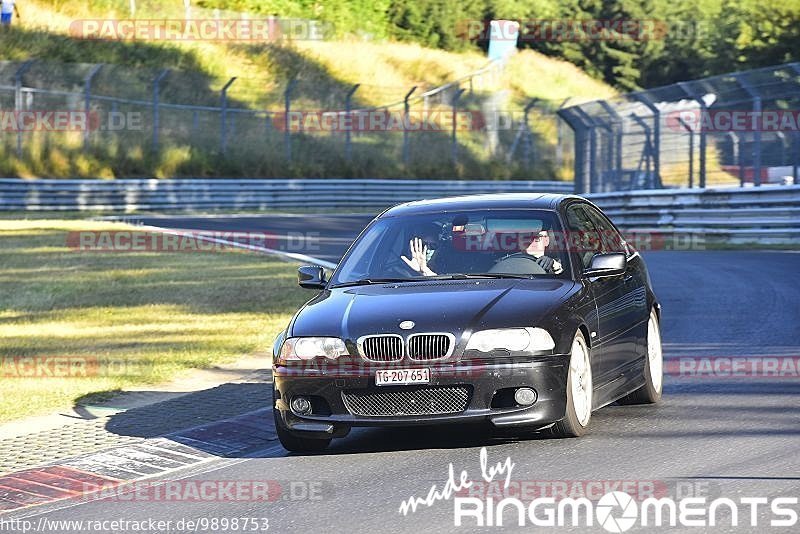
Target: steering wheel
[398,267]
[518,264]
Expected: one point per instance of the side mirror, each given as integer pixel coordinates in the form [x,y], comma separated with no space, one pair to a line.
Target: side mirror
[311,277]
[610,264]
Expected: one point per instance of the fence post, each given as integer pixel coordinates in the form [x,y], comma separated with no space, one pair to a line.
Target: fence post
[18,104]
[287,107]
[156,117]
[348,104]
[757,144]
[593,159]
[574,117]
[616,135]
[757,133]
[656,147]
[782,137]
[647,152]
[560,135]
[591,124]
[796,158]
[703,141]
[691,150]
[457,96]
[796,140]
[528,136]
[523,134]
[87,100]
[406,111]
[736,144]
[609,153]
[525,131]
[195,122]
[740,160]
[589,178]
[581,170]
[223,104]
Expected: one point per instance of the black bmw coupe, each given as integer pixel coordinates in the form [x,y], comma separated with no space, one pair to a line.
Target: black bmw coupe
[527,311]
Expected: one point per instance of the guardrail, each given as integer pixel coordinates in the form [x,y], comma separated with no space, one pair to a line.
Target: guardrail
[766,215]
[209,194]
[762,215]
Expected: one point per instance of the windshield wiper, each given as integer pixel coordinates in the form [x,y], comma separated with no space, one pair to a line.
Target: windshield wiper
[454,276]
[467,276]
[370,281]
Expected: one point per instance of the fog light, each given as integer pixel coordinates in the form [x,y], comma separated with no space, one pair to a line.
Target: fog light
[301,406]
[525,396]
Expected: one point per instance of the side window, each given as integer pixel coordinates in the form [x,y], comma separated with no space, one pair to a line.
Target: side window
[581,234]
[610,238]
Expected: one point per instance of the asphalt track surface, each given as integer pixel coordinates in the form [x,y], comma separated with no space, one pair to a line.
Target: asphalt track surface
[711,436]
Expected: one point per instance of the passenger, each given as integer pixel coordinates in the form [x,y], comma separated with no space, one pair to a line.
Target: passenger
[423,248]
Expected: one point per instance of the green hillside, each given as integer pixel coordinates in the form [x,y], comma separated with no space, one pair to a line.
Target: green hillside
[324,70]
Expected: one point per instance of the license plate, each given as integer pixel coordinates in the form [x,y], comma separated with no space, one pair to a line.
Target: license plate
[402,376]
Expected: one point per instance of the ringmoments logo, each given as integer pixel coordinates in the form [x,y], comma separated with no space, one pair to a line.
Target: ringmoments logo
[616,501]
[618,511]
[615,511]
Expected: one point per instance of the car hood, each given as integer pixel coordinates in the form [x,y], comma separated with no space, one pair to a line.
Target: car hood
[437,306]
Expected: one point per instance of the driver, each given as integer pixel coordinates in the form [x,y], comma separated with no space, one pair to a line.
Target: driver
[535,249]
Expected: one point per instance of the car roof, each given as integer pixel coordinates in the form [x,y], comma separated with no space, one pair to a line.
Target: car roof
[486,201]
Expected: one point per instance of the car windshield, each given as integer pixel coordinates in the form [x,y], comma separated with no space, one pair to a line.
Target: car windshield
[474,243]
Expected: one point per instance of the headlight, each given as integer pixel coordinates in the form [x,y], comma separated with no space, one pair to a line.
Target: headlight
[511,339]
[308,348]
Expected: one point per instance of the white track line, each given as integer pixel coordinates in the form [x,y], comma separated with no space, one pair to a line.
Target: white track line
[290,256]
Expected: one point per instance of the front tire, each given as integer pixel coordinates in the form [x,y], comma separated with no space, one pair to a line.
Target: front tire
[650,392]
[579,391]
[293,443]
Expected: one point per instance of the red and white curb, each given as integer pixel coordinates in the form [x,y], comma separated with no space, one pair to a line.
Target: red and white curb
[100,471]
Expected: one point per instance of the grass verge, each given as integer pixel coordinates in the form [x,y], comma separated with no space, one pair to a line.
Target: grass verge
[124,319]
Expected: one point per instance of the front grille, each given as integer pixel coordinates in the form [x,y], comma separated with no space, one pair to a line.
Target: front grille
[420,401]
[382,348]
[428,346]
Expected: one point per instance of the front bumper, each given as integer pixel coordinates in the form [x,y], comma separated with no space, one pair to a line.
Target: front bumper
[484,378]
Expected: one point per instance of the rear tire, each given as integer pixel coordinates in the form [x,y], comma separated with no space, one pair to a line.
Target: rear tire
[650,392]
[579,392]
[293,443]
